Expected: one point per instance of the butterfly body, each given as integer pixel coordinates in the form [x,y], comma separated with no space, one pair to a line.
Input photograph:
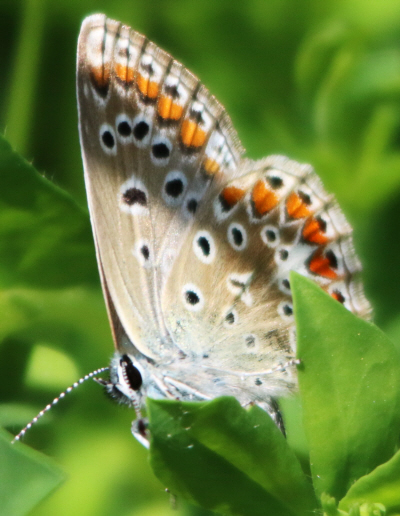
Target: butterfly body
[194,241]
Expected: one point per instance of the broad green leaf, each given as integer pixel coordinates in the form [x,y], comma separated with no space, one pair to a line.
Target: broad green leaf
[45,238]
[381,486]
[349,384]
[225,458]
[26,477]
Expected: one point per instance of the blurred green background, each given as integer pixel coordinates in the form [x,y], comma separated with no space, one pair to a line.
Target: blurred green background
[317,81]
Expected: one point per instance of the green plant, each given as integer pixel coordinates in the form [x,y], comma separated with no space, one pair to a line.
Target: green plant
[317,82]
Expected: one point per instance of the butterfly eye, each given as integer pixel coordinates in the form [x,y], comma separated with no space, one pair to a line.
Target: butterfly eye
[131,373]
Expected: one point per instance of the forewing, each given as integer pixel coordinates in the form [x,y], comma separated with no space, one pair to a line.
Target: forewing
[154,144]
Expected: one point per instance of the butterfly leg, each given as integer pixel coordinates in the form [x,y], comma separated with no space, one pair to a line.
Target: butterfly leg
[140,430]
[272,408]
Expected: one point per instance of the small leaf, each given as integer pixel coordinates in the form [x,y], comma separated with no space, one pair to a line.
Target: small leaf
[349,384]
[227,459]
[45,238]
[26,477]
[381,486]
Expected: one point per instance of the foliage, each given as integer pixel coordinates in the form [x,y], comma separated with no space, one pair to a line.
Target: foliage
[319,82]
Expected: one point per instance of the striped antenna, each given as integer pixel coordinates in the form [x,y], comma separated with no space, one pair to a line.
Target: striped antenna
[19,436]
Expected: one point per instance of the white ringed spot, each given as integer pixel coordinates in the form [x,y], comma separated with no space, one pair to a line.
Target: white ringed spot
[237,236]
[133,197]
[285,310]
[174,188]
[107,139]
[123,125]
[143,253]
[231,317]
[251,342]
[161,149]
[141,130]
[193,298]
[270,235]
[204,247]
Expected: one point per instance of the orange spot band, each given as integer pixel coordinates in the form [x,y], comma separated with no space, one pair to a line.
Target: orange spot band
[147,88]
[100,76]
[313,232]
[124,73]
[321,265]
[210,166]
[232,195]
[192,135]
[263,198]
[168,109]
[296,207]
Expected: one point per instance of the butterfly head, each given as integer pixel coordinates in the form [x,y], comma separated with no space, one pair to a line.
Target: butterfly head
[126,381]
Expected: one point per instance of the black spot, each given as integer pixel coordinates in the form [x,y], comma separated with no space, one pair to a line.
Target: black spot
[304,197]
[230,318]
[145,252]
[204,245]
[124,128]
[101,84]
[237,236]
[225,206]
[131,373]
[271,235]
[286,283]
[287,310]
[134,196]
[322,224]
[250,341]
[191,297]
[275,182]
[196,116]
[339,296]
[284,253]
[192,206]
[332,259]
[140,130]
[147,67]
[205,355]
[108,139]
[160,150]
[258,382]
[172,91]
[173,188]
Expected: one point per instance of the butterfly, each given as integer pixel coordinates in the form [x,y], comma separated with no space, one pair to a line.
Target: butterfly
[194,241]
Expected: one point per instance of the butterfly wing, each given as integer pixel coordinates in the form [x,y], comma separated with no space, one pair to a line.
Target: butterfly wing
[229,289]
[154,144]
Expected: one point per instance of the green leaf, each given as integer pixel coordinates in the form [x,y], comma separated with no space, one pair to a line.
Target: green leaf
[45,238]
[26,477]
[225,458]
[381,486]
[349,384]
